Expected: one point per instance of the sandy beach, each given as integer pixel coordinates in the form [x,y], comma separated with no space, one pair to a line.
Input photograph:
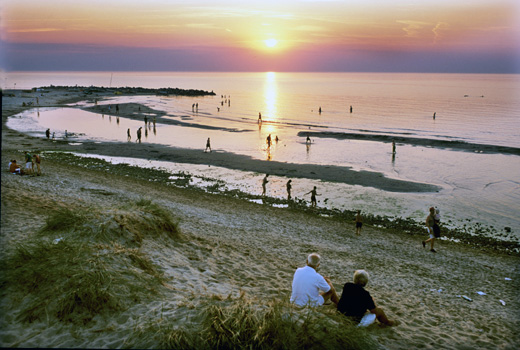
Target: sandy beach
[228,250]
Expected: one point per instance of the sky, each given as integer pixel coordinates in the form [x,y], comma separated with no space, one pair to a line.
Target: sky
[444,36]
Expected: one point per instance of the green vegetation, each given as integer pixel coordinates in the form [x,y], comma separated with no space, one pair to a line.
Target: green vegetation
[81,265]
[246,324]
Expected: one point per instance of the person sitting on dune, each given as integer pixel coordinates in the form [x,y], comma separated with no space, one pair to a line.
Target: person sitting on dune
[14,168]
[355,300]
[309,288]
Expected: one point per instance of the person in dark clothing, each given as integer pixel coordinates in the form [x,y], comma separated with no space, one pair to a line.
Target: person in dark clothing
[355,300]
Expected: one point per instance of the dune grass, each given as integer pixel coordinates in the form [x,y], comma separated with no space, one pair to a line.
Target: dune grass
[247,324]
[87,261]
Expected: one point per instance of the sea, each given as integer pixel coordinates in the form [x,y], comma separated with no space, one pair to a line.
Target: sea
[476,187]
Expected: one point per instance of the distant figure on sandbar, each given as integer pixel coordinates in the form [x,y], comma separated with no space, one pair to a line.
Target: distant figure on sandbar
[434,114]
[313,197]
[259,117]
[308,140]
[48,133]
[264,183]
[350,109]
[128,137]
[139,135]
[393,147]
[359,222]
[319,110]
[208,145]
[289,186]
[276,139]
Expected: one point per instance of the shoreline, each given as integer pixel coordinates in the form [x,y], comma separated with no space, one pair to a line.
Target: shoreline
[478,237]
[416,141]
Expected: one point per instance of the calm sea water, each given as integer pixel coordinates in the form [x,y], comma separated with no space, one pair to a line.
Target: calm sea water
[480,109]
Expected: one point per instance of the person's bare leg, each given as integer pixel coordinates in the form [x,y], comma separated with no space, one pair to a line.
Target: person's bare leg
[331,294]
[381,317]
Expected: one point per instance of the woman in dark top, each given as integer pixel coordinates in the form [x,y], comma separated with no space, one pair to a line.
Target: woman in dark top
[355,300]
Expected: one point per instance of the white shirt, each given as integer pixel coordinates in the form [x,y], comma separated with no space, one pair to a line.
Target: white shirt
[306,287]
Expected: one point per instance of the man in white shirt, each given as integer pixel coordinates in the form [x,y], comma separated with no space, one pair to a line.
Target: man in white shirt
[309,288]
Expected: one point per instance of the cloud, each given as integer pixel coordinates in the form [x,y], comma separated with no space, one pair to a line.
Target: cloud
[413,28]
[439,30]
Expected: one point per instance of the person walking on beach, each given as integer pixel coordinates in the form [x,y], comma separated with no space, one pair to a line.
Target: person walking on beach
[264,183]
[37,161]
[268,141]
[289,186]
[48,133]
[359,222]
[313,197]
[430,221]
[355,301]
[208,145]
[128,136]
[139,135]
[309,288]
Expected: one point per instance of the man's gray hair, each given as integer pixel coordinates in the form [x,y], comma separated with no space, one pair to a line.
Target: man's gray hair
[313,260]
[361,277]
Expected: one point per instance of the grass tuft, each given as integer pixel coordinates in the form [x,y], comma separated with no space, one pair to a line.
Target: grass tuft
[94,268]
[240,323]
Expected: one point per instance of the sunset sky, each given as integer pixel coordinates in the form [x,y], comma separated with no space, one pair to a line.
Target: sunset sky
[477,36]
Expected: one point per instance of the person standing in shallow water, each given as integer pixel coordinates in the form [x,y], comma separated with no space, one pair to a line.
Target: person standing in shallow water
[208,145]
[128,136]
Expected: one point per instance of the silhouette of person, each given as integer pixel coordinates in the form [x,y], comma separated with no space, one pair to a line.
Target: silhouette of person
[48,133]
[308,140]
[289,186]
[319,110]
[313,197]
[208,145]
[128,137]
[139,135]
[264,183]
[269,141]
[350,109]
[393,147]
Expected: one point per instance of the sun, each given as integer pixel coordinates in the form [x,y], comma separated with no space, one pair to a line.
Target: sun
[271,42]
